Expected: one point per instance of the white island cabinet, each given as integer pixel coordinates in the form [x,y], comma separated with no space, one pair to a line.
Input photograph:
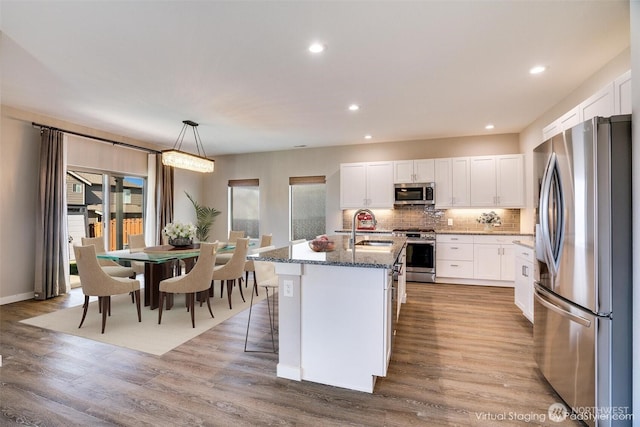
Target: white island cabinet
[337,312]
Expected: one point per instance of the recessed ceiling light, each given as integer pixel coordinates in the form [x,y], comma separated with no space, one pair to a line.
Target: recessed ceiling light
[354,107]
[489,126]
[537,69]
[368,137]
[316,47]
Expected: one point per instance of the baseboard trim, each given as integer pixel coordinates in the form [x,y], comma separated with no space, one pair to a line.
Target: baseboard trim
[15,298]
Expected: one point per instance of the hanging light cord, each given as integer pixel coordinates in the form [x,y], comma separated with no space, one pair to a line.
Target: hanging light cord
[196,136]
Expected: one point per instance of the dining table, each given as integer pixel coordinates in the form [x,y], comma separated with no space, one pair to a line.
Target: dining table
[159,264]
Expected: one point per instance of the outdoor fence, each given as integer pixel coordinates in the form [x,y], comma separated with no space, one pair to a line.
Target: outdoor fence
[129,226]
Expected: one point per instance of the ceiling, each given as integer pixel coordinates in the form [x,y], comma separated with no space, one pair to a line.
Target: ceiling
[241,69]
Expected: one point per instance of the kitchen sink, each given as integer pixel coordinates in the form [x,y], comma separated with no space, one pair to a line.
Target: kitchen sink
[377,243]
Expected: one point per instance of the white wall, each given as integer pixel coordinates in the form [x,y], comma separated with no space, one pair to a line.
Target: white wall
[20,156]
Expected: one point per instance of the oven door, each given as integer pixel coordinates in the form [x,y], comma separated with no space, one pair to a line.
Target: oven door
[421,261]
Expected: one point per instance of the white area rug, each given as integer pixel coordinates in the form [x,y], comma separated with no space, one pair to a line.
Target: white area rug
[123,329]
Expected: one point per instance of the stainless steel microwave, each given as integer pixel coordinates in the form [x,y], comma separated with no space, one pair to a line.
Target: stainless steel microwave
[415,194]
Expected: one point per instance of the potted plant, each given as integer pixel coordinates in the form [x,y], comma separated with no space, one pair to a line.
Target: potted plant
[205,216]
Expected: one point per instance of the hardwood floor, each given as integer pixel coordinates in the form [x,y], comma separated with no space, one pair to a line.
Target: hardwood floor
[462,357]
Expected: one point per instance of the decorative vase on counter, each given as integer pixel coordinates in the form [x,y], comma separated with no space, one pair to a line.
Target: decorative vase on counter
[180,241]
[488,228]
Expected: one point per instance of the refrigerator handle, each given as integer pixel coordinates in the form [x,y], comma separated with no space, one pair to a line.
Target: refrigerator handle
[558,223]
[540,297]
[545,239]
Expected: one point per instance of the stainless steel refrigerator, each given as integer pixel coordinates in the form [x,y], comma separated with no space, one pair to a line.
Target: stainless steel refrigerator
[582,295]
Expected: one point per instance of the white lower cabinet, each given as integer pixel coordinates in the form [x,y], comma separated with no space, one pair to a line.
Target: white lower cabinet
[493,257]
[454,256]
[523,292]
[469,259]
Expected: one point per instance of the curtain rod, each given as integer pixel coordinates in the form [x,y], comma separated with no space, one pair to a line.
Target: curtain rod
[124,144]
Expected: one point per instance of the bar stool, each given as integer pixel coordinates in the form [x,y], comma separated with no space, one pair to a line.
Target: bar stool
[266,277]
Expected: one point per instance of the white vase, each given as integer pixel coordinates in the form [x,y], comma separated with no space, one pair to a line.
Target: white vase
[488,228]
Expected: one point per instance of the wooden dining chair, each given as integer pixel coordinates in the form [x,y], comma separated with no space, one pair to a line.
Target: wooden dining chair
[232,270]
[235,235]
[137,244]
[196,281]
[110,267]
[96,282]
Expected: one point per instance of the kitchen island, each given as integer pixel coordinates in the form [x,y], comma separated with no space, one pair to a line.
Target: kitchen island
[337,311]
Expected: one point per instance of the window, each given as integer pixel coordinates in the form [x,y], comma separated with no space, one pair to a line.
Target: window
[114,206]
[244,206]
[77,188]
[126,196]
[307,202]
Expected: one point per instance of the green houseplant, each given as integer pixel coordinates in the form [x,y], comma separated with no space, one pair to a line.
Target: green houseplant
[205,216]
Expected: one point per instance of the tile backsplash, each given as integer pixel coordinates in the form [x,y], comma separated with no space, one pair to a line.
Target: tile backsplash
[438,219]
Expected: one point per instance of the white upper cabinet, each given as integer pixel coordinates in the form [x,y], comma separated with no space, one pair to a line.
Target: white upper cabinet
[599,104]
[566,121]
[622,93]
[614,98]
[366,185]
[483,181]
[510,188]
[452,182]
[550,130]
[497,181]
[409,171]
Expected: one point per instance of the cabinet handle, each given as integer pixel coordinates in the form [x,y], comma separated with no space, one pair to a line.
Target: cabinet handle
[454,238]
[454,247]
[526,271]
[522,271]
[455,265]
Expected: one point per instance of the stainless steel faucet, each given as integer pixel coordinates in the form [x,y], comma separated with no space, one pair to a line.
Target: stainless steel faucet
[352,241]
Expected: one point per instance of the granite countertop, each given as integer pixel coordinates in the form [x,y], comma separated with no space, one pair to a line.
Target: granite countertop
[526,243]
[365,231]
[342,256]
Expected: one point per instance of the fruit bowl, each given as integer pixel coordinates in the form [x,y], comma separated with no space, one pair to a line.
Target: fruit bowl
[322,244]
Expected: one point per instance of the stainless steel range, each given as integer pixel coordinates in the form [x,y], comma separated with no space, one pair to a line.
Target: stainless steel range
[421,253]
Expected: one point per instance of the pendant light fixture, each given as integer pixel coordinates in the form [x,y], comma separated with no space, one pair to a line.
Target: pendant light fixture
[179,159]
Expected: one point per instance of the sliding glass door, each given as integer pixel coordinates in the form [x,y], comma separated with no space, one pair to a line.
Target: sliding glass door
[112,206]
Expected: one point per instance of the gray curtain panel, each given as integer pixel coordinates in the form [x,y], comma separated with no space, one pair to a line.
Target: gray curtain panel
[164,196]
[52,252]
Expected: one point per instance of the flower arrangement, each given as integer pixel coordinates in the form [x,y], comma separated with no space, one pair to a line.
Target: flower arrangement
[179,234]
[490,218]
